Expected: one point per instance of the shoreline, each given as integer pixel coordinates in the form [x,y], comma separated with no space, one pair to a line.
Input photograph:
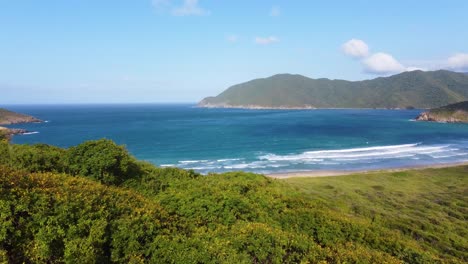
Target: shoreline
[258,107]
[335,173]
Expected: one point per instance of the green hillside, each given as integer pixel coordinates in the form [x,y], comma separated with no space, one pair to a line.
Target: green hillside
[409,89]
[452,113]
[94,203]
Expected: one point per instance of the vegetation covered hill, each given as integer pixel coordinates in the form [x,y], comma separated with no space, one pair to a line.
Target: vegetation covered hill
[8,117]
[409,89]
[452,113]
[94,203]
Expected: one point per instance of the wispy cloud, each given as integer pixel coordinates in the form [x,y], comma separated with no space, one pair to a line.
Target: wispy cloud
[266,40]
[190,8]
[186,7]
[160,5]
[275,11]
[232,38]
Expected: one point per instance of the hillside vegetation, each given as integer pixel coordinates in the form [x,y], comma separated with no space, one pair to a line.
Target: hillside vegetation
[453,113]
[94,203]
[409,89]
[8,117]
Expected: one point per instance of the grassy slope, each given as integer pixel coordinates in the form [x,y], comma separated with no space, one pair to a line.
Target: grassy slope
[418,89]
[8,117]
[414,217]
[429,205]
[116,209]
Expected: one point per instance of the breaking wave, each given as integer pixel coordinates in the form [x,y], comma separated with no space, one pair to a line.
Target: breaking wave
[30,133]
[337,159]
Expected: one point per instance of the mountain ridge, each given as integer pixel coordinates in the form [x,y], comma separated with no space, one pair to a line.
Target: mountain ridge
[416,89]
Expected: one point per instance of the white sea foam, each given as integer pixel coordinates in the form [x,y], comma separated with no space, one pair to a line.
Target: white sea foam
[30,133]
[320,159]
[192,161]
[224,160]
[448,156]
[358,154]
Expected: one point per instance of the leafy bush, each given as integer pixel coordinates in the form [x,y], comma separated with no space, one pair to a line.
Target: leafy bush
[37,158]
[102,160]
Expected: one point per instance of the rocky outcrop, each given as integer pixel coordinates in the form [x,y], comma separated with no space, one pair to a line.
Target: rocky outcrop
[8,132]
[8,118]
[454,113]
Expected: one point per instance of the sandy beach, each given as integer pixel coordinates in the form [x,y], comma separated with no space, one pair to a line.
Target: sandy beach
[330,173]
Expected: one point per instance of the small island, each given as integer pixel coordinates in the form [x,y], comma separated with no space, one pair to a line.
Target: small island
[453,113]
[8,118]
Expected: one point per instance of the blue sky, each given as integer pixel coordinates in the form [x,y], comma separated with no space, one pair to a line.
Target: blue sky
[88,51]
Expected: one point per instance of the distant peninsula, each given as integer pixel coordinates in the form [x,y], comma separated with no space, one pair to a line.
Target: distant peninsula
[453,113]
[8,118]
[415,89]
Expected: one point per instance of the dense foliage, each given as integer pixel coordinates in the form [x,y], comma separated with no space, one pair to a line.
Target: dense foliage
[168,215]
[409,89]
[102,160]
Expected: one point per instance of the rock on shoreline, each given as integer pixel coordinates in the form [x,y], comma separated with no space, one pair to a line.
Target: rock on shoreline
[454,113]
[10,118]
[428,116]
[9,132]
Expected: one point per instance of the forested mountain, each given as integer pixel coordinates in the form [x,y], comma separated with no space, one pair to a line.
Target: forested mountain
[417,89]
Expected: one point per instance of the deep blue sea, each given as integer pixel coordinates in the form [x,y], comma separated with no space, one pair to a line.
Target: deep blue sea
[264,141]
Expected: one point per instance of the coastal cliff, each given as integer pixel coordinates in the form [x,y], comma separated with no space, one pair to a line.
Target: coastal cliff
[9,118]
[453,113]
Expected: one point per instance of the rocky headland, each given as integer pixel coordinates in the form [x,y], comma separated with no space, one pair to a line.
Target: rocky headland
[453,113]
[10,118]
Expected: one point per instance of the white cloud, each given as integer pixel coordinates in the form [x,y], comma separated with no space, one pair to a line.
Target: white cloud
[355,48]
[415,69]
[188,7]
[275,11]
[458,62]
[382,63]
[266,40]
[232,38]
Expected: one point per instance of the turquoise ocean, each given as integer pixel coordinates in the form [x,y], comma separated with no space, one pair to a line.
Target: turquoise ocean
[263,141]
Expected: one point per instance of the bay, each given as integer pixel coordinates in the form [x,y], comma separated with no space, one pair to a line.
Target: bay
[263,141]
